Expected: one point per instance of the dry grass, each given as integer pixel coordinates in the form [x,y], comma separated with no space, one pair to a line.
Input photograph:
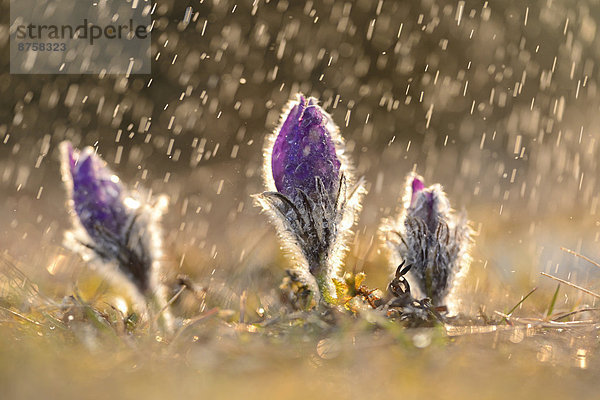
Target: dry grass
[88,348]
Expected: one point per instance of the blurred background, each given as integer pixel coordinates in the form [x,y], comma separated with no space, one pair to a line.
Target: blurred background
[497,101]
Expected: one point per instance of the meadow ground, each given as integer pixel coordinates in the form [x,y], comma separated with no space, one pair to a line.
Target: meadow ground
[82,346]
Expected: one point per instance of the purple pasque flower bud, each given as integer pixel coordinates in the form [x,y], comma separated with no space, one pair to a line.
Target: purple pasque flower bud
[431,238]
[304,150]
[312,196]
[417,186]
[427,203]
[97,194]
[113,227]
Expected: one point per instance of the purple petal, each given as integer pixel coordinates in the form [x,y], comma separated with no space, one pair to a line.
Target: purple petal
[97,194]
[281,146]
[304,150]
[422,203]
[417,186]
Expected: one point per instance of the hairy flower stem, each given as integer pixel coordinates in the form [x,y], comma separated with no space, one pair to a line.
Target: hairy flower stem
[324,284]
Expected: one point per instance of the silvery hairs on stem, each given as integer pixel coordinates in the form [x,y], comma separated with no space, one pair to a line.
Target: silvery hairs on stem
[114,229]
[312,196]
[432,238]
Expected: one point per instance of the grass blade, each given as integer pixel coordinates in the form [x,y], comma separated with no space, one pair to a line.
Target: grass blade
[580,256]
[572,285]
[508,314]
[565,315]
[553,302]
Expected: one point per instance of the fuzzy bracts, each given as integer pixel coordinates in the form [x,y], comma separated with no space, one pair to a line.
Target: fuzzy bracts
[431,238]
[115,229]
[312,196]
